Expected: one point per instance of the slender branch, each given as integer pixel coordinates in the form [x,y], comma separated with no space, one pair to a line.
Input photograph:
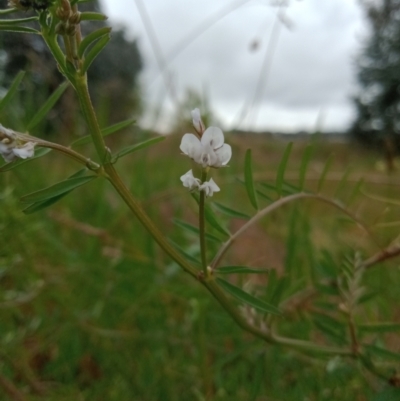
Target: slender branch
[203,248]
[269,337]
[260,214]
[67,151]
[118,184]
[388,253]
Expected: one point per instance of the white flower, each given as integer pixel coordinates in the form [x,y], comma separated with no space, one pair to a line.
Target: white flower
[209,187]
[25,151]
[210,150]
[189,181]
[11,148]
[197,122]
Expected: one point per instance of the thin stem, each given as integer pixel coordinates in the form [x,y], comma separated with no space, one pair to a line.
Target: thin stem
[203,246]
[116,181]
[260,214]
[125,194]
[269,337]
[67,151]
[391,251]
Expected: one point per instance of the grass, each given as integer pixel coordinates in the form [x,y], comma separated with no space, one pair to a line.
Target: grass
[91,309]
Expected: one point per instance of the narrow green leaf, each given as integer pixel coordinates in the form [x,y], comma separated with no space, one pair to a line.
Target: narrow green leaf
[48,105]
[211,218]
[105,131]
[16,21]
[139,146]
[8,11]
[91,38]
[18,29]
[12,91]
[92,16]
[342,183]
[247,298]
[304,164]
[240,270]
[117,127]
[264,196]
[383,327]
[35,207]
[356,190]
[230,212]
[330,326]
[16,163]
[289,189]
[94,52]
[282,168]
[57,189]
[195,230]
[187,255]
[248,178]
[327,166]
[382,353]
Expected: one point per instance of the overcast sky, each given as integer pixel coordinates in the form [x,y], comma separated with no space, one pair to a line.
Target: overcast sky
[305,58]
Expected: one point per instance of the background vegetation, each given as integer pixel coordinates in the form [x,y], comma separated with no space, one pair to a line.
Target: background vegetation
[91,309]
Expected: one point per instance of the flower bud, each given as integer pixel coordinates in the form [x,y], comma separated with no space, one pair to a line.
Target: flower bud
[197,122]
[64,11]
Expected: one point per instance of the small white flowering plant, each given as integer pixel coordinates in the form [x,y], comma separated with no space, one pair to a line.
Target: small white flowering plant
[208,150]
[58,23]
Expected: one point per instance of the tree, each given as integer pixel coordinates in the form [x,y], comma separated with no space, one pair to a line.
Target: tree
[378,103]
[113,75]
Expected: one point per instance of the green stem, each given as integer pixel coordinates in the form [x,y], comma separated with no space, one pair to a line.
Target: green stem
[203,246]
[268,336]
[114,178]
[67,151]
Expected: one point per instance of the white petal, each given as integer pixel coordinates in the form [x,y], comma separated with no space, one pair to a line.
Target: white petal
[25,151]
[197,122]
[209,187]
[207,157]
[189,181]
[6,150]
[224,154]
[196,114]
[189,143]
[213,137]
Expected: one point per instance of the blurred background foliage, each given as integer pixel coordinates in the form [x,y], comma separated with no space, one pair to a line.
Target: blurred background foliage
[114,77]
[378,103]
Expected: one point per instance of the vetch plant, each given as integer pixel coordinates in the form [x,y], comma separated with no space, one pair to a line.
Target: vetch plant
[337,290]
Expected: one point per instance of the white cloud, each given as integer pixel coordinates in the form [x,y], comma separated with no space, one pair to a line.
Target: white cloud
[312,68]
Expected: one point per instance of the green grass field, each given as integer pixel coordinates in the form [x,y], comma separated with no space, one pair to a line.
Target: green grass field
[91,309]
